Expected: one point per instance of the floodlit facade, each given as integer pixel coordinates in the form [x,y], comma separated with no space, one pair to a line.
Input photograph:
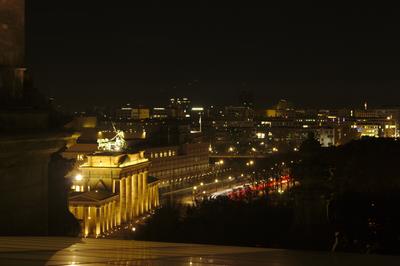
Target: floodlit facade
[112,189]
[173,163]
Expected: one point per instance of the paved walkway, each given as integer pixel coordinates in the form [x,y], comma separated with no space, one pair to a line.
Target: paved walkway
[71,251]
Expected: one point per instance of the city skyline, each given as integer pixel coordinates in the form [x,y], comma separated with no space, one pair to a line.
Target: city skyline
[313,57]
[130,133]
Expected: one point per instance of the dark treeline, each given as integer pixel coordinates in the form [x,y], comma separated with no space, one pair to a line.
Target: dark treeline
[221,221]
[347,200]
[355,190]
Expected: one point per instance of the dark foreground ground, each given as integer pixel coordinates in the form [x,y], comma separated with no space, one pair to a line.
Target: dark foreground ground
[73,251]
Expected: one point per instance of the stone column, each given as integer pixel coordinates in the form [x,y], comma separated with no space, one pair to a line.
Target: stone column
[118,213]
[128,186]
[86,219]
[97,221]
[157,196]
[153,197]
[134,196]
[122,199]
[150,197]
[139,194]
[110,216]
[107,216]
[145,205]
[101,219]
[115,214]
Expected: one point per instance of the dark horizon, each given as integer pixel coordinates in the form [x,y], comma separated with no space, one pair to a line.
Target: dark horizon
[87,54]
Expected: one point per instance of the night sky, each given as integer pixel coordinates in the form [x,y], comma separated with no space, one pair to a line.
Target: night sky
[107,52]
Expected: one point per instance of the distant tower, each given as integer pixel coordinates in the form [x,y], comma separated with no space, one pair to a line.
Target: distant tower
[365,106]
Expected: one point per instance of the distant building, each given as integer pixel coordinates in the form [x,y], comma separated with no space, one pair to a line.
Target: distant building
[124,113]
[376,129]
[132,113]
[177,162]
[180,108]
[238,114]
[270,113]
[140,113]
[159,113]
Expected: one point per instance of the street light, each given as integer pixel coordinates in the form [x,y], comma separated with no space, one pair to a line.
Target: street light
[194,194]
[230,183]
[78,177]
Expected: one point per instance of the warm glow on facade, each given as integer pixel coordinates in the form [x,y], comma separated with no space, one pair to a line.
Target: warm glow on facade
[112,189]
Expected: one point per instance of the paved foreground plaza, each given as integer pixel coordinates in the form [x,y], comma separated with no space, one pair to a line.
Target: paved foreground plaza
[71,251]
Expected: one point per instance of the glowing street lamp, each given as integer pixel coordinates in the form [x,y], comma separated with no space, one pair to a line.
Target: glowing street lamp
[78,177]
